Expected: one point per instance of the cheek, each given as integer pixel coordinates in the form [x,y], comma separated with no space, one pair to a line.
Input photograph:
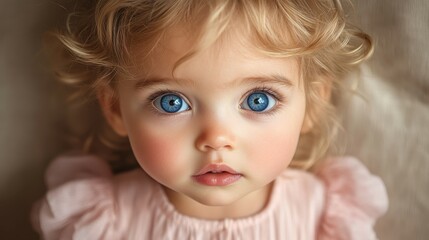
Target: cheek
[273,153]
[160,155]
[273,149]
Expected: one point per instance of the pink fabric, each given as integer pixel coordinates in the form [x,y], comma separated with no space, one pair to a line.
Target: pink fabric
[86,201]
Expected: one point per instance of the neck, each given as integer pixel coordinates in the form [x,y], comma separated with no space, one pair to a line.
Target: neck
[249,205]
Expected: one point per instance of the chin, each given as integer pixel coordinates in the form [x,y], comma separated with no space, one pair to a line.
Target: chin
[214,198]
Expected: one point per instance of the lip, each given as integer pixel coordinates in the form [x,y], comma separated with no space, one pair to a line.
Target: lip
[216,175]
[216,168]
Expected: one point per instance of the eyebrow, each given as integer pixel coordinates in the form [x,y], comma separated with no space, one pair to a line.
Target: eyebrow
[147,82]
[263,79]
[268,79]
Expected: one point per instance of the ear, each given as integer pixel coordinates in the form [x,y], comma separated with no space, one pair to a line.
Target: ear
[323,90]
[111,110]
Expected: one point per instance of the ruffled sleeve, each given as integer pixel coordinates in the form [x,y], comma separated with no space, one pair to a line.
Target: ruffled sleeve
[354,200]
[79,203]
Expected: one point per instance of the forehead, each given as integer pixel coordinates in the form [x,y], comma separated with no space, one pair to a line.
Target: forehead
[180,48]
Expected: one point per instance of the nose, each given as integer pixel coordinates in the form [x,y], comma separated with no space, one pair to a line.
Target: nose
[215,136]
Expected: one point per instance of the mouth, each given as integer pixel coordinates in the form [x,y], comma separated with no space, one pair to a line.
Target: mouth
[216,175]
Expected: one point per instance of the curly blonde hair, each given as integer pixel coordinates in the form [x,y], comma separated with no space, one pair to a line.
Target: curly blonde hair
[97,47]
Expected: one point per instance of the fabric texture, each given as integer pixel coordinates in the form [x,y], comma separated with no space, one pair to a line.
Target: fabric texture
[85,201]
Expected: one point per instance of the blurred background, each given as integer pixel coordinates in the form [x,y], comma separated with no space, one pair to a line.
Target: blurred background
[387,128]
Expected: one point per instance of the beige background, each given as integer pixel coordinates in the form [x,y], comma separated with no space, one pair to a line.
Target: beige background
[388,131]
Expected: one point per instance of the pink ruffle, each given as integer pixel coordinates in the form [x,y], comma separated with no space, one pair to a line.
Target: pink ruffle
[82,203]
[354,200]
[79,204]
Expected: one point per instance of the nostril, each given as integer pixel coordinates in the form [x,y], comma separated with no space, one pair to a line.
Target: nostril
[214,142]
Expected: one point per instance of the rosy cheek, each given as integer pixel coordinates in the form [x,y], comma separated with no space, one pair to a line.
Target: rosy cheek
[157,155]
[273,153]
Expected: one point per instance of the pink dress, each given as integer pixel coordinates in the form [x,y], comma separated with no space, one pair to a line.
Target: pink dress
[85,201]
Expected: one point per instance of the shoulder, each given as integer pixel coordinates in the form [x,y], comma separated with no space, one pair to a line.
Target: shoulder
[85,200]
[66,168]
[303,185]
[342,199]
[354,199]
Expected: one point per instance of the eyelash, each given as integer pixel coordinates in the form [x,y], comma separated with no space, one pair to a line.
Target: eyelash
[280,99]
[159,93]
[268,90]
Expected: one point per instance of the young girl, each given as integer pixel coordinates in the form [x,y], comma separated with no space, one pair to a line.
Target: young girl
[228,107]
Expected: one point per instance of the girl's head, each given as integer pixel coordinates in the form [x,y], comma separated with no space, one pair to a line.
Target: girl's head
[193,82]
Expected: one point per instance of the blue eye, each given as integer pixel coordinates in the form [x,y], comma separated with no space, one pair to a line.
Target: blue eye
[170,103]
[259,102]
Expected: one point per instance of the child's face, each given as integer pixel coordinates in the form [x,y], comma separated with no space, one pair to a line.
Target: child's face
[228,106]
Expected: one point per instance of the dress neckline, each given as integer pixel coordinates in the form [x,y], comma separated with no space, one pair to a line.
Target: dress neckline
[168,209]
